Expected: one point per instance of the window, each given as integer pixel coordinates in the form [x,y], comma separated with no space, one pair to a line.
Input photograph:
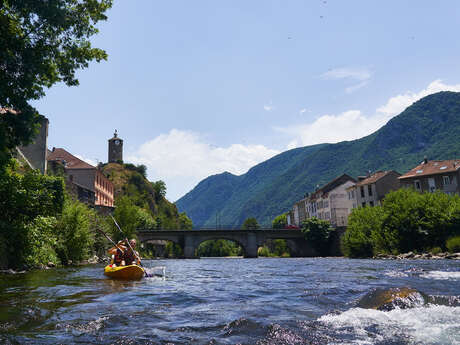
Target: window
[362,192]
[371,204]
[369,190]
[364,204]
[417,185]
[446,180]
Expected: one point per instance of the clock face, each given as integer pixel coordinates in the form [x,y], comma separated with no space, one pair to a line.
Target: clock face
[117,142]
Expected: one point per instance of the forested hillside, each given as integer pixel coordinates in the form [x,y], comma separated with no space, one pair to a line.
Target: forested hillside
[429,127]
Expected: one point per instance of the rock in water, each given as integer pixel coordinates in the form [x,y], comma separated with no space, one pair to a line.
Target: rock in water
[389,299]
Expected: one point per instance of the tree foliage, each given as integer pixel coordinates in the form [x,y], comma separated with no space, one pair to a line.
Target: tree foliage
[406,221]
[219,248]
[30,204]
[43,42]
[75,232]
[280,222]
[317,232]
[250,224]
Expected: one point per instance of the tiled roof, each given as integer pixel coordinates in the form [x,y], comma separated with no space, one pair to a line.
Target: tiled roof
[331,185]
[374,177]
[71,162]
[433,168]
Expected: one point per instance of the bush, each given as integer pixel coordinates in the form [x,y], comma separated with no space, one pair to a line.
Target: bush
[250,224]
[280,222]
[435,250]
[453,244]
[317,232]
[41,242]
[75,238]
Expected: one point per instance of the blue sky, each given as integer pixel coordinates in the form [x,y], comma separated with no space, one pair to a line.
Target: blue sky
[196,88]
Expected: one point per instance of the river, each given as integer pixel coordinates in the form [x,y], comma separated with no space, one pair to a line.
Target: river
[232,301]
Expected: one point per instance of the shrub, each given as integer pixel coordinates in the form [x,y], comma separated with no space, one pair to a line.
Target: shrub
[250,224]
[362,232]
[435,250]
[75,239]
[317,232]
[453,244]
[280,222]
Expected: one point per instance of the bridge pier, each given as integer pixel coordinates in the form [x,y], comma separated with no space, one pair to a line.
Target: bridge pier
[189,247]
[251,246]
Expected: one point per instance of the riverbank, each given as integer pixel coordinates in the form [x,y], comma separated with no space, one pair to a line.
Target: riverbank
[422,256]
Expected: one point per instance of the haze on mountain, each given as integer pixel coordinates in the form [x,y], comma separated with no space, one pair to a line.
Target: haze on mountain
[430,127]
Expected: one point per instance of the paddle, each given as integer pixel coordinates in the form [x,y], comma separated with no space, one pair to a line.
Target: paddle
[129,244]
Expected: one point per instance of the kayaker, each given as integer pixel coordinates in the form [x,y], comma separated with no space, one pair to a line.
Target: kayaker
[130,257]
[117,254]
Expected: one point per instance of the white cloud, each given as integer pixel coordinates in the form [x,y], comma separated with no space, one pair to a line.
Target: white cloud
[361,73]
[303,110]
[183,158]
[87,160]
[353,124]
[355,87]
[269,106]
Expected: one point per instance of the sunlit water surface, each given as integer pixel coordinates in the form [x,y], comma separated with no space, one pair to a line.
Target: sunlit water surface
[232,301]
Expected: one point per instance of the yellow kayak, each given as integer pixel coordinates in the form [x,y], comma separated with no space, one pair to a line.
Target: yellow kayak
[130,272]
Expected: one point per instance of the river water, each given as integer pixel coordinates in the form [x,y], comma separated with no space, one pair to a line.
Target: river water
[233,301]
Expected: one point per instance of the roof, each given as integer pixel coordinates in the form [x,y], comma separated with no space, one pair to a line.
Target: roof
[427,168]
[69,160]
[375,177]
[332,185]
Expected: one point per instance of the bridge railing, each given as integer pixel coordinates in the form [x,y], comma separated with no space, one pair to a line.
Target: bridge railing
[221,228]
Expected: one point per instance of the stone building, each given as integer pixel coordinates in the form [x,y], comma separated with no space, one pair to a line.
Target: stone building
[115,149]
[430,176]
[85,176]
[370,190]
[33,154]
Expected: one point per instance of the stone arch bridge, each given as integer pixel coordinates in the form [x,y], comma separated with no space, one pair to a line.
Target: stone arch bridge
[249,240]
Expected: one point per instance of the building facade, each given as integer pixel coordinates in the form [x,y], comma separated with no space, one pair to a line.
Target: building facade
[370,190]
[430,176]
[84,176]
[329,203]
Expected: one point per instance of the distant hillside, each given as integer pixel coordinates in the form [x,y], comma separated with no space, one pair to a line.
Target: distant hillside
[430,126]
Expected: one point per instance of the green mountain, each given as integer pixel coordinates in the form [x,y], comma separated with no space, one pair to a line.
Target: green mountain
[429,127]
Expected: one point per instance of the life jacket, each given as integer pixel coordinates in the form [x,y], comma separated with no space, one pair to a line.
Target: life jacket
[130,256]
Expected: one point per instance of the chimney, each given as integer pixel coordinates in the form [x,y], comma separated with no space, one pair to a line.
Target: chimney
[53,149]
[425,160]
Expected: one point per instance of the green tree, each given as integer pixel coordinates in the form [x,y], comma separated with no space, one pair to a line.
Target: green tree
[185,222]
[160,188]
[75,238]
[251,224]
[280,222]
[317,232]
[43,42]
[30,202]
[364,224]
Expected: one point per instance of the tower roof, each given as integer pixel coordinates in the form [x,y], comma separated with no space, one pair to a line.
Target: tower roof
[115,136]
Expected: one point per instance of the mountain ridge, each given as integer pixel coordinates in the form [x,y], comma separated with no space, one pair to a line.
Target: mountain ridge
[428,127]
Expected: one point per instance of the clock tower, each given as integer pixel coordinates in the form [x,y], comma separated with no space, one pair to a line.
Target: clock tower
[115,149]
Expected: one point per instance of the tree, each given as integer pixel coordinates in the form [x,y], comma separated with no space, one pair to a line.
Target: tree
[317,232]
[160,188]
[43,42]
[185,223]
[280,222]
[251,224]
